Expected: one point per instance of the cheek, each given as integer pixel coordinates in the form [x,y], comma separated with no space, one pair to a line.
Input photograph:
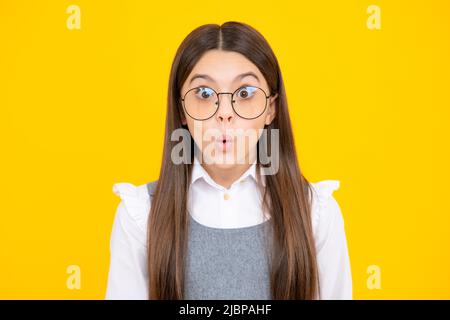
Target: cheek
[252,125]
[201,131]
[252,130]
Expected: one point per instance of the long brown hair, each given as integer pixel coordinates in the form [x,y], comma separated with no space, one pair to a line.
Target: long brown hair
[287,195]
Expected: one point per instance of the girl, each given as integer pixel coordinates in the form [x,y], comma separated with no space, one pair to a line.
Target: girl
[241,229]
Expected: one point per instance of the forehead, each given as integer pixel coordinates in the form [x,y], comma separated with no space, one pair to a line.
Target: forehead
[223,69]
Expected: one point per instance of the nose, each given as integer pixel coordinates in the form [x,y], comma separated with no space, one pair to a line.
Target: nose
[225,112]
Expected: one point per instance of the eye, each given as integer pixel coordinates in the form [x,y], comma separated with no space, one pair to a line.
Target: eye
[204,93]
[246,92]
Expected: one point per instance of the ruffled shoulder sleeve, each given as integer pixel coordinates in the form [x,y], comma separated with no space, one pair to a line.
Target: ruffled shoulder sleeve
[128,277]
[331,243]
[323,206]
[136,201]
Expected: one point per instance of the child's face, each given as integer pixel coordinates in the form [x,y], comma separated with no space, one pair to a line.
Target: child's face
[223,69]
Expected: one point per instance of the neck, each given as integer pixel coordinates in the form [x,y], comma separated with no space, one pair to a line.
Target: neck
[226,176]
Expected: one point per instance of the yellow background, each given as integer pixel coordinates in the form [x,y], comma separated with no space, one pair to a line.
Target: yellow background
[83,109]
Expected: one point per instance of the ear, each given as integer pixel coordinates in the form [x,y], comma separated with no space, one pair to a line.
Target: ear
[271,109]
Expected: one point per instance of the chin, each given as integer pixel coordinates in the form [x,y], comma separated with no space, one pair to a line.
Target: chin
[224,166]
[222,162]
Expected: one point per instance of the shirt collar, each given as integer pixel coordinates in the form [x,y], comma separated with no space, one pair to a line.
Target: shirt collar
[199,172]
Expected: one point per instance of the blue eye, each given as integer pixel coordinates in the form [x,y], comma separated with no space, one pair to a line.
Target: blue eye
[204,93]
[246,92]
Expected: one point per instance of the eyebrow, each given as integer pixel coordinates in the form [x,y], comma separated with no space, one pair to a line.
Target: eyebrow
[206,77]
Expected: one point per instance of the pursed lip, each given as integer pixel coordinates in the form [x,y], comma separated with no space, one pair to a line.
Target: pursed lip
[222,138]
[226,138]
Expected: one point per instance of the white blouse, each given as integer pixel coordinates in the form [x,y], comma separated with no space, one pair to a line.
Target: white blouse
[215,206]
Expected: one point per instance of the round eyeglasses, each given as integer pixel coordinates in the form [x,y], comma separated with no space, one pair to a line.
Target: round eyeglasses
[248,102]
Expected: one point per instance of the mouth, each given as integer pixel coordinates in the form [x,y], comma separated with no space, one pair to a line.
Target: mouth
[224,142]
[226,138]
